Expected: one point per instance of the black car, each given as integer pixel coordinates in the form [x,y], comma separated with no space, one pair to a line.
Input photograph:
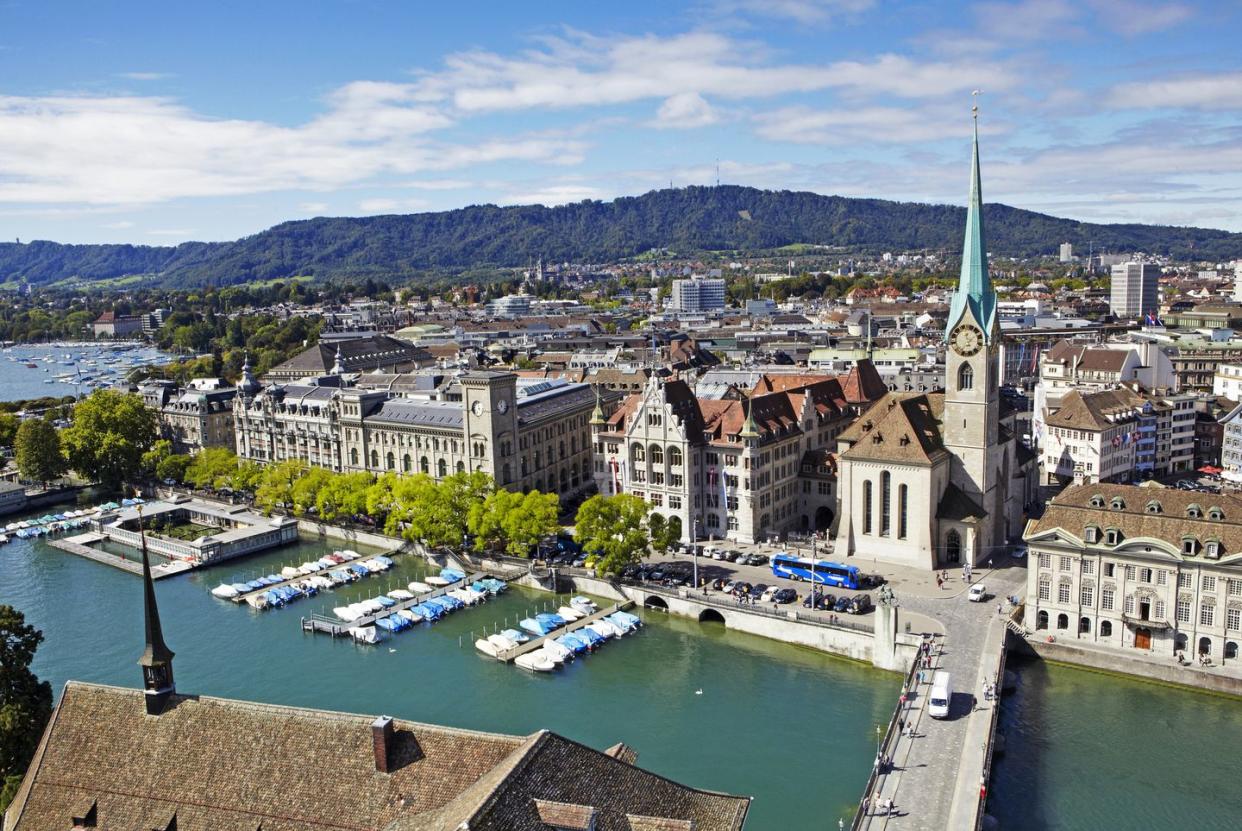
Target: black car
[759,559]
[861,605]
[842,604]
[732,556]
[823,602]
[757,590]
[785,596]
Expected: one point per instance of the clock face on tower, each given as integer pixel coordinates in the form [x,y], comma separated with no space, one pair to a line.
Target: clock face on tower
[477,407]
[966,340]
[503,406]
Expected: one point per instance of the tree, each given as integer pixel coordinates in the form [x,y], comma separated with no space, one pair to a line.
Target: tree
[656,526]
[529,521]
[172,467]
[9,423]
[486,519]
[612,528]
[344,495]
[110,432]
[25,701]
[159,451]
[276,486]
[247,476]
[38,451]
[212,467]
[305,492]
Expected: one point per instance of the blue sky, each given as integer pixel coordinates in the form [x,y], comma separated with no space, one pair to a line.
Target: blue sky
[155,123]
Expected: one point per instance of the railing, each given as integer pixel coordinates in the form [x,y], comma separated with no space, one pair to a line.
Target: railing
[860,813]
[780,612]
[986,779]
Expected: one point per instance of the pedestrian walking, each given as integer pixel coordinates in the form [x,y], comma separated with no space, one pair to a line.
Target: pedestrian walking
[998,610]
[939,582]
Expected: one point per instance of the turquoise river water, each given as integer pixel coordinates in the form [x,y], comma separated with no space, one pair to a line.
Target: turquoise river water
[791,727]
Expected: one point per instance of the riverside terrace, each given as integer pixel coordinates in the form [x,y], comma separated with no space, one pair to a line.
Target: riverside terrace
[227,530]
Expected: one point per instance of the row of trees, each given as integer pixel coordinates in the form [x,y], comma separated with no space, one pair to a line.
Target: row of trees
[25,701]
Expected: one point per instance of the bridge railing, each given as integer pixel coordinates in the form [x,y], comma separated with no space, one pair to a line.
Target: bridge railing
[891,735]
[723,601]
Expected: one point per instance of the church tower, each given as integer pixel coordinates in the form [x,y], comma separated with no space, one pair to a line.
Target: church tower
[971,422]
[156,660]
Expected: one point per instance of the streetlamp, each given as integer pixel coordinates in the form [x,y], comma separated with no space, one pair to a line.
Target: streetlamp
[813,583]
[694,548]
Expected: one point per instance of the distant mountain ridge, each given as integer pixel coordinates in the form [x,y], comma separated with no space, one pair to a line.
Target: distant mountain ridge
[686,220]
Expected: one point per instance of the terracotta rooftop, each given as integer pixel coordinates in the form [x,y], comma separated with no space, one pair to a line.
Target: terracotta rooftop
[900,427]
[221,765]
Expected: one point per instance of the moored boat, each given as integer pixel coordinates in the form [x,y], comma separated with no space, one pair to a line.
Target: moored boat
[535,662]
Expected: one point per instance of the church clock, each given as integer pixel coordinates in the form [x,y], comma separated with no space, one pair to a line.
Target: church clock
[966,339]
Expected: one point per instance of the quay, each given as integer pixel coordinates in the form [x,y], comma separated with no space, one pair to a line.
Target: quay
[338,628]
[241,598]
[535,643]
[79,545]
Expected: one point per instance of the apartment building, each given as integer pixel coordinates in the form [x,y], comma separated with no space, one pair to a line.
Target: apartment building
[1134,290]
[1150,569]
[199,416]
[695,295]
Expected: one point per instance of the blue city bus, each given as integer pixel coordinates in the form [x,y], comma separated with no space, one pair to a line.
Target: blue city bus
[824,572]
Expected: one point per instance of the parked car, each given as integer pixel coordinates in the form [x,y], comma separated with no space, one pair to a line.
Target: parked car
[727,586]
[785,596]
[732,556]
[756,591]
[842,604]
[1018,552]
[759,559]
[977,594]
[860,605]
[769,594]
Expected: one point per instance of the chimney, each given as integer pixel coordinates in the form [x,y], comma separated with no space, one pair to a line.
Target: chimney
[381,738]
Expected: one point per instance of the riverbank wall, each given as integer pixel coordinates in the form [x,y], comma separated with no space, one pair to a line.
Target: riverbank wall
[1203,679]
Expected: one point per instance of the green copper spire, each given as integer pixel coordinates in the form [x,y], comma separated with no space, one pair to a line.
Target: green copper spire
[749,429]
[597,415]
[974,287]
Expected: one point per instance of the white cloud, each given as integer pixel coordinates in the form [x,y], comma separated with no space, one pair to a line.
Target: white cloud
[145,76]
[685,111]
[1205,92]
[806,12]
[119,225]
[171,232]
[1132,18]
[897,125]
[313,207]
[1029,19]
[580,70]
[384,205]
[437,184]
[555,195]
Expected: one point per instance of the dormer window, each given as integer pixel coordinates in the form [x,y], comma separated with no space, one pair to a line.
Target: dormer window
[1194,512]
[1212,549]
[1190,546]
[1091,533]
[1153,507]
[1118,504]
[1112,536]
[1097,501]
[1216,514]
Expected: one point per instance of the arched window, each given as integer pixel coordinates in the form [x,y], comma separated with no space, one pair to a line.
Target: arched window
[523,466]
[965,377]
[1041,620]
[867,507]
[375,458]
[657,454]
[1231,649]
[886,488]
[424,465]
[636,452]
[506,472]
[902,492]
[674,456]
[390,460]
[407,464]
[461,467]
[442,469]
[1084,626]
[1106,628]
[1062,621]
[353,456]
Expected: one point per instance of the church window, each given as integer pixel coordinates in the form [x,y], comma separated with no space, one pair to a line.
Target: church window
[885,503]
[965,377]
[867,507]
[902,492]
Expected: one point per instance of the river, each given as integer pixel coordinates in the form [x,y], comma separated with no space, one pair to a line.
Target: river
[789,726]
[1087,751]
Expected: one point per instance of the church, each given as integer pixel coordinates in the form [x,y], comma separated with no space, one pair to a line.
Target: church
[933,480]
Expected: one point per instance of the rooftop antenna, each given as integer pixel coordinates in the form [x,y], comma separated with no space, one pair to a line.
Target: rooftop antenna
[717,171]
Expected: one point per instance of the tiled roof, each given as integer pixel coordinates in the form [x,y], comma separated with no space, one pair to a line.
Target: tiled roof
[1095,410]
[223,765]
[1072,510]
[900,427]
[356,354]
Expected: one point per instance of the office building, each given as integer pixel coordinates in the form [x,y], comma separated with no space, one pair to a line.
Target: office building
[1135,290]
[698,294]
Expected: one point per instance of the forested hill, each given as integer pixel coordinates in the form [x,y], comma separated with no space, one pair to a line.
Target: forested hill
[684,220]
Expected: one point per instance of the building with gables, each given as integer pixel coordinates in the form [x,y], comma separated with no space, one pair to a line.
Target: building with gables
[117,759]
[934,479]
[353,354]
[747,466]
[1142,568]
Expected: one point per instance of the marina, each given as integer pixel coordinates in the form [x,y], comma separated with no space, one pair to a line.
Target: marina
[71,368]
[511,655]
[338,628]
[331,570]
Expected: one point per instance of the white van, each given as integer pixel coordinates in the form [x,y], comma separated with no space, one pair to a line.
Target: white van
[941,695]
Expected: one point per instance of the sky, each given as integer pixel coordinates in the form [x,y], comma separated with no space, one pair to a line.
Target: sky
[157,123]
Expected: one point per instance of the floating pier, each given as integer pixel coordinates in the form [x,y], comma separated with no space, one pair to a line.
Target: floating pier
[535,643]
[340,629]
[78,545]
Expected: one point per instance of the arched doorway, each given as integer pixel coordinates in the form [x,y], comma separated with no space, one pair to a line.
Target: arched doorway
[1205,646]
[711,616]
[654,601]
[1142,638]
[1041,620]
[953,547]
[1231,649]
[1106,629]
[823,518]
[1062,621]
[1180,642]
[1084,626]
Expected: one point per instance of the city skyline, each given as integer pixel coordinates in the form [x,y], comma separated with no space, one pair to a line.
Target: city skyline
[184,124]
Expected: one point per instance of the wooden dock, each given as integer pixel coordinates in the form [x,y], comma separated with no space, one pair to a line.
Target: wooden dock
[535,643]
[74,545]
[242,598]
[339,628]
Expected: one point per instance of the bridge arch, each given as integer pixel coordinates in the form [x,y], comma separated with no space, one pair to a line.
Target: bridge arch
[711,616]
[654,601]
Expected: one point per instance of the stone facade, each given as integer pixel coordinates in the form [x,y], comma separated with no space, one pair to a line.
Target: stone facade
[199,416]
[1138,568]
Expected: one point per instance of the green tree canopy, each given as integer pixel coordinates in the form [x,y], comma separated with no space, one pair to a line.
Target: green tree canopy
[159,451]
[38,450]
[345,494]
[25,701]
[9,423]
[110,432]
[212,467]
[306,489]
[612,528]
[275,489]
